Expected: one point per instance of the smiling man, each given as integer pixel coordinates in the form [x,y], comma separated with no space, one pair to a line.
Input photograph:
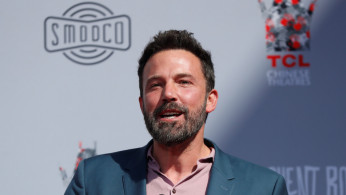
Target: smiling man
[176,81]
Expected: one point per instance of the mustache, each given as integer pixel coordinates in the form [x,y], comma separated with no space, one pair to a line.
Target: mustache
[170,106]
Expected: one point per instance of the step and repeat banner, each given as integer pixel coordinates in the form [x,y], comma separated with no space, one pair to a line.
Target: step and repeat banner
[69,86]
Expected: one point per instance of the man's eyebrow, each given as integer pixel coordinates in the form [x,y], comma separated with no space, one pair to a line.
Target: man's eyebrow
[153,77]
[180,75]
[158,77]
[185,75]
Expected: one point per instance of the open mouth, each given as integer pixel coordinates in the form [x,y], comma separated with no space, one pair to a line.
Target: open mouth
[170,114]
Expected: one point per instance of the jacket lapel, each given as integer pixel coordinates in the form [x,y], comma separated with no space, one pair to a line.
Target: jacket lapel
[134,178]
[222,180]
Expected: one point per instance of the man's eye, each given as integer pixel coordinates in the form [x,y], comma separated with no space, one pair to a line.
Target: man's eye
[154,85]
[184,82]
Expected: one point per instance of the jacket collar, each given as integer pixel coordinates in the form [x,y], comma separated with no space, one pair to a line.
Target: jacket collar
[134,178]
[221,178]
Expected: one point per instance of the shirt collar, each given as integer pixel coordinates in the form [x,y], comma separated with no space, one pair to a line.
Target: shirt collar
[208,159]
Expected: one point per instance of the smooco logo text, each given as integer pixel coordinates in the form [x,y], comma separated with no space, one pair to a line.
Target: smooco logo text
[87,33]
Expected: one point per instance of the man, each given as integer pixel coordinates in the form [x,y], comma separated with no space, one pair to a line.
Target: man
[176,81]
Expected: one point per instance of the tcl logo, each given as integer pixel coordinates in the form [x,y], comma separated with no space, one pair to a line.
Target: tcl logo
[288,61]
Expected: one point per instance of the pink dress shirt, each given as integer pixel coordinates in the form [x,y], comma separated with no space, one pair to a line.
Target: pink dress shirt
[196,183]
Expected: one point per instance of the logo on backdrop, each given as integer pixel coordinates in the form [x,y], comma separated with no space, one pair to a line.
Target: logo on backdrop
[87,33]
[83,153]
[309,180]
[287,26]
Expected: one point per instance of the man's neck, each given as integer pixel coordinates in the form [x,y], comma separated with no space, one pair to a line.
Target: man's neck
[178,161]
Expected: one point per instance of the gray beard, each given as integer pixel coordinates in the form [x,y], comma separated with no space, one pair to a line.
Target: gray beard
[173,133]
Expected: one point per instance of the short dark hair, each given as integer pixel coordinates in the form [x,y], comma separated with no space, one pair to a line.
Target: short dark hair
[178,39]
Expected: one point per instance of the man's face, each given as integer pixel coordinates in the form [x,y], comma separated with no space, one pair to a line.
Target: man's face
[174,96]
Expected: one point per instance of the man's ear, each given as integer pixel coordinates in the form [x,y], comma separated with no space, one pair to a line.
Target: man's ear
[140,99]
[212,98]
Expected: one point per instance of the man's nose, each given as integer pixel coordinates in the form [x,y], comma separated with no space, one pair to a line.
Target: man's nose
[169,93]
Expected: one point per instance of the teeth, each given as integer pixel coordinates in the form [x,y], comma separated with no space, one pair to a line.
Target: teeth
[170,114]
[169,117]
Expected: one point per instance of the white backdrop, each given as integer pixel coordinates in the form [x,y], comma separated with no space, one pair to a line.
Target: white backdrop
[49,103]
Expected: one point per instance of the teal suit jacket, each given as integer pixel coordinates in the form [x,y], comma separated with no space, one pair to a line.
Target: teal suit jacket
[124,173]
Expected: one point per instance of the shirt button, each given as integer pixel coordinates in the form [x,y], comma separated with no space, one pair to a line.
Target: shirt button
[174,191]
